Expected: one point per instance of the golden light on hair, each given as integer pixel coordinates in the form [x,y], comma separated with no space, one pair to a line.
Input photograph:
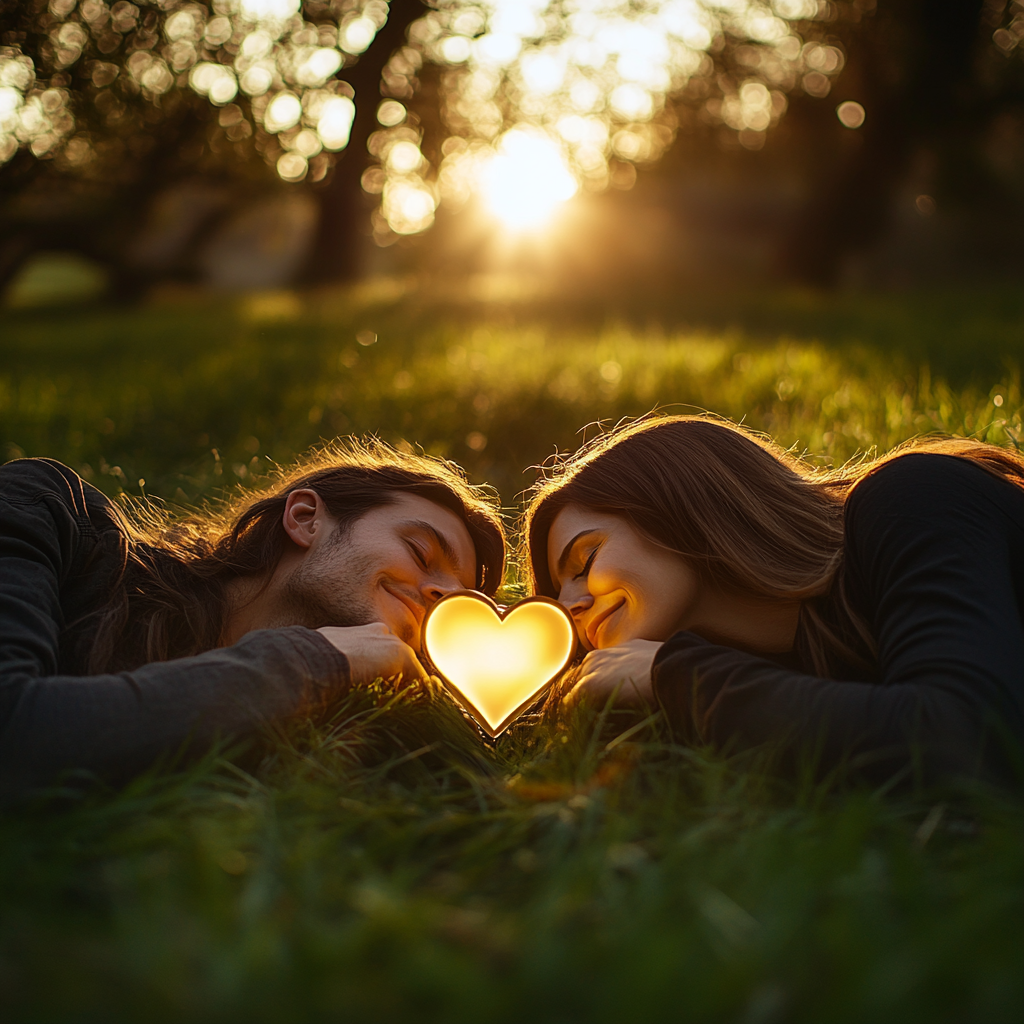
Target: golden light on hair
[497,664]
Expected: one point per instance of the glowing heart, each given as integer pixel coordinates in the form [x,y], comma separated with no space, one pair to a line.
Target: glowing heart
[497,662]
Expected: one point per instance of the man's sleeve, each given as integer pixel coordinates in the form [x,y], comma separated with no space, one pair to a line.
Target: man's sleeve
[930,540]
[116,725]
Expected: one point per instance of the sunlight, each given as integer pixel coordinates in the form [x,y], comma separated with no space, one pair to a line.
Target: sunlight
[526,180]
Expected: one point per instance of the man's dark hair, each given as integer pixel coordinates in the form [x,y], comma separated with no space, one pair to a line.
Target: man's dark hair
[169,601]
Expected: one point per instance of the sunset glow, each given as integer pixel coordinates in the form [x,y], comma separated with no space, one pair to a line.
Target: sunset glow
[526,180]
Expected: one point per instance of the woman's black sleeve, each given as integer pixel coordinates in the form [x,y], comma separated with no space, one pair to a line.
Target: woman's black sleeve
[935,556]
[117,725]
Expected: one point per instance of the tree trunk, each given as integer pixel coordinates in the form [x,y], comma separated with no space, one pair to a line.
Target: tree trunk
[911,68]
[335,253]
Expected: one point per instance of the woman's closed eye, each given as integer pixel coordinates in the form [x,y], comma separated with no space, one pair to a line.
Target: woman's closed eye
[586,565]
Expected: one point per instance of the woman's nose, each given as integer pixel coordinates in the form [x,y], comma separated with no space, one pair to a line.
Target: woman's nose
[575,601]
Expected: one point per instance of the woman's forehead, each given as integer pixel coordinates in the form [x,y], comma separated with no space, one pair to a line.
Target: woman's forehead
[572,520]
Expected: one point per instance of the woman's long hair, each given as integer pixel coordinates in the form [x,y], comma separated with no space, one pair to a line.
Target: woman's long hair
[169,600]
[743,512]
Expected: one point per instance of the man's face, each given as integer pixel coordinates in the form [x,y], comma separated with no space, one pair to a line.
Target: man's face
[390,566]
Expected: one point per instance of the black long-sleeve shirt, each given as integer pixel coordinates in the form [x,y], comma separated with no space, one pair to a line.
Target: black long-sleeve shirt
[61,553]
[934,562]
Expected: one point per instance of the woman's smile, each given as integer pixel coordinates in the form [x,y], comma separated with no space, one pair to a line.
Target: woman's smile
[596,630]
[617,584]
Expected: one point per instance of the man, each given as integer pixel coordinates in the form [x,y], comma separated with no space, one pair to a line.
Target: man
[121,642]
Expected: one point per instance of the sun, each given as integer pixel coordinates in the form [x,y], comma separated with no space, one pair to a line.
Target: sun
[526,180]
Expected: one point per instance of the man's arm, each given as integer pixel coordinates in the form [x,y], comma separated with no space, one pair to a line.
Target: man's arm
[117,725]
[53,534]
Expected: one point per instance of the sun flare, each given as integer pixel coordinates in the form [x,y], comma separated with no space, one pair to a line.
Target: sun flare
[526,180]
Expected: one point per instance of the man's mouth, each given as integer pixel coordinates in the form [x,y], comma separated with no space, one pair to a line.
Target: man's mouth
[596,623]
[416,611]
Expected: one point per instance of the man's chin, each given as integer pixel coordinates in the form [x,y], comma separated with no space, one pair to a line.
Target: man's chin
[405,632]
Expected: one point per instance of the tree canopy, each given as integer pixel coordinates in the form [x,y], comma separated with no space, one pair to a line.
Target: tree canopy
[532,101]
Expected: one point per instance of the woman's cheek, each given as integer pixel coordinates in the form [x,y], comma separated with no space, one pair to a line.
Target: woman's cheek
[600,581]
[582,634]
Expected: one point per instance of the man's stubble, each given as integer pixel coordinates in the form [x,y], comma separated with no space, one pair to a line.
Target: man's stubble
[333,590]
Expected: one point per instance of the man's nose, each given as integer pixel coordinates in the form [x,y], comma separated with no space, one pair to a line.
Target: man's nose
[436,587]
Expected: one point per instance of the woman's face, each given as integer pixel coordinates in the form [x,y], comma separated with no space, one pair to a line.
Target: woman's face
[616,583]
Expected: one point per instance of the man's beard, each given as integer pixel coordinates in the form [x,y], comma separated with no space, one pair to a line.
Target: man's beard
[315,596]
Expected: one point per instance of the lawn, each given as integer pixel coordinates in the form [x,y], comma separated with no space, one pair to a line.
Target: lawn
[383,863]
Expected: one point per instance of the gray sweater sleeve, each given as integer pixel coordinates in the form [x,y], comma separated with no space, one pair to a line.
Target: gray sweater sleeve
[52,537]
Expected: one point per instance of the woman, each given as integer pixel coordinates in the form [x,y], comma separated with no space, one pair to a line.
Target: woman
[872,618]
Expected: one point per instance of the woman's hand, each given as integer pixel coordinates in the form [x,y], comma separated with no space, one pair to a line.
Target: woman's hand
[626,668]
[374,652]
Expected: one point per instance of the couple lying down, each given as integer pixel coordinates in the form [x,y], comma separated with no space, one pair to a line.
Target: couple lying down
[874,616]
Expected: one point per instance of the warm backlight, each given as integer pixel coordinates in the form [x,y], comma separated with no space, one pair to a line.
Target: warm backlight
[526,180]
[498,665]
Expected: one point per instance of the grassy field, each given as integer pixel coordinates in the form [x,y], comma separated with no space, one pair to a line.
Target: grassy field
[383,864]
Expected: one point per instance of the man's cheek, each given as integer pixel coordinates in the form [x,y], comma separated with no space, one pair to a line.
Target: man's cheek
[400,624]
[407,634]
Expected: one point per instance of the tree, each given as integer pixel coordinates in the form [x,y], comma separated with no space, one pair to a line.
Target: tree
[102,108]
[520,101]
[933,78]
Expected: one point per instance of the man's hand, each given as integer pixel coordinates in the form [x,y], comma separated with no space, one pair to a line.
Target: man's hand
[374,652]
[626,668]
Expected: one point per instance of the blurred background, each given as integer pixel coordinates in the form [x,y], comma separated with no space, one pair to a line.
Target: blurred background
[229,230]
[588,146]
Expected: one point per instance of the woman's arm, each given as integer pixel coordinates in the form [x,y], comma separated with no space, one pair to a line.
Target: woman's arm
[935,558]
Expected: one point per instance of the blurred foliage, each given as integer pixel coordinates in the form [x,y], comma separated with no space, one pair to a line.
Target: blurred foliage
[108,113]
[538,90]
[92,86]
[104,109]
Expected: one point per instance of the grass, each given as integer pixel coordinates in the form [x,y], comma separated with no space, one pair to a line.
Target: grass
[383,864]
[191,397]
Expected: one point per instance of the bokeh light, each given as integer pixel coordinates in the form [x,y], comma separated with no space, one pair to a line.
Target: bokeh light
[273,64]
[851,114]
[546,98]
[334,122]
[597,81]
[408,207]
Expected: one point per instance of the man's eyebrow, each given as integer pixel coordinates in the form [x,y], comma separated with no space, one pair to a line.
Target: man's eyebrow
[564,556]
[442,541]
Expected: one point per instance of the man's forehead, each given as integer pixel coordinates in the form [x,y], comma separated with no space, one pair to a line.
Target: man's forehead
[404,503]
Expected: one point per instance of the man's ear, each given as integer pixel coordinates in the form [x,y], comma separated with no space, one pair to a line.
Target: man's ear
[305,517]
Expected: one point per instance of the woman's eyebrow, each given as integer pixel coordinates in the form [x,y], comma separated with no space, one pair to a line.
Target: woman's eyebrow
[442,541]
[567,550]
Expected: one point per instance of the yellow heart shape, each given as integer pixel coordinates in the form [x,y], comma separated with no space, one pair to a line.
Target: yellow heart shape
[497,662]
